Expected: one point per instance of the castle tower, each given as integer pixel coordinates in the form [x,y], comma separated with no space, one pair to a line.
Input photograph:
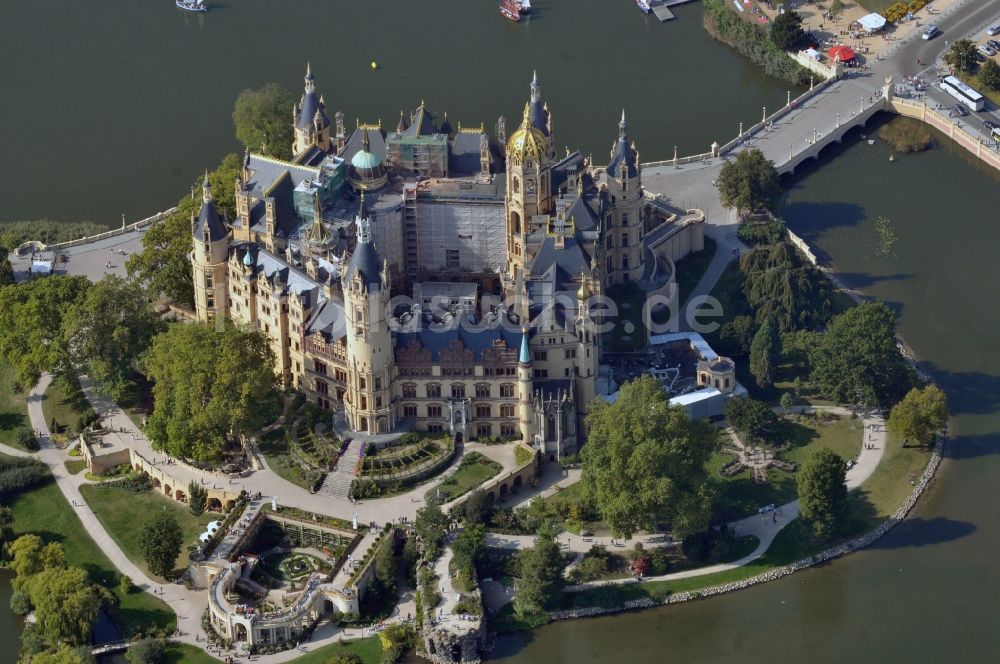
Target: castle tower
[529,188]
[524,389]
[586,352]
[311,123]
[368,400]
[541,118]
[625,233]
[208,259]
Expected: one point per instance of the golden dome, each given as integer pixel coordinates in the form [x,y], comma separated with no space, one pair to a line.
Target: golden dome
[583,292]
[527,142]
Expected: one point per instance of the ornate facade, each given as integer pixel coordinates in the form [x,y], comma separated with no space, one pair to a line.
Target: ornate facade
[500,244]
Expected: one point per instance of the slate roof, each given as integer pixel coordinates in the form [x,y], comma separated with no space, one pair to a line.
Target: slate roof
[208,218]
[355,142]
[475,340]
[622,154]
[464,157]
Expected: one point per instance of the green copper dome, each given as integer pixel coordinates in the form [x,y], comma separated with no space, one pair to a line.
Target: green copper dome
[364,160]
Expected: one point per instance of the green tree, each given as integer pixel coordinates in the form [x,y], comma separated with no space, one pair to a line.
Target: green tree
[857,360]
[6,528]
[477,507]
[197,498]
[146,651]
[20,603]
[920,415]
[65,603]
[430,525]
[107,330]
[385,564]
[644,461]
[787,32]
[470,542]
[765,353]
[989,75]
[787,401]
[823,493]
[262,120]
[784,289]
[962,55]
[160,543]
[541,575]
[836,7]
[31,324]
[345,656]
[6,270]
[749,182]
[64,654]
[125,585]
[31,556]
[753,419]
[736,335]
[209,383]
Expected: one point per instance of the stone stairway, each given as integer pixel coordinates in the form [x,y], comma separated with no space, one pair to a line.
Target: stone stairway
[337,484]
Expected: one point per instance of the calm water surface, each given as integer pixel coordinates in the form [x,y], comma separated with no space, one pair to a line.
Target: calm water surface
[928,591]
[117,106]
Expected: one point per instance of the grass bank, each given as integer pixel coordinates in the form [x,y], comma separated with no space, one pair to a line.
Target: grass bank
[45,512]
[472,471]
[13,407]
[123,515]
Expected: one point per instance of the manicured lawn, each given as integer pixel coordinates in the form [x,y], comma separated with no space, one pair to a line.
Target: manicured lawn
[65,403]
[369,650]
[522,454]
[45,512]
[473,471]
[890,484]
[123,514]
[182,653]
[13,409]
[739,496]
[274,447]
[74,466]
[691,268]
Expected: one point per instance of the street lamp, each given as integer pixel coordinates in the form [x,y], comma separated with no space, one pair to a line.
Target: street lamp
[764,116]
[788,98]
[838,119]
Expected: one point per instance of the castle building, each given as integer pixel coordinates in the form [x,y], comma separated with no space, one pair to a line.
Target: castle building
[437,278]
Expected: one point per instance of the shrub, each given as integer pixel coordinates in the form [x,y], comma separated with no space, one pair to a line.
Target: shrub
[20,603]
[146,651]
[18,474]
[752,43]
[761,232]
[26,441]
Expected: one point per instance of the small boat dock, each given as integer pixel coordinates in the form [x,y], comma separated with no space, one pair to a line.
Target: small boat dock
[661,8]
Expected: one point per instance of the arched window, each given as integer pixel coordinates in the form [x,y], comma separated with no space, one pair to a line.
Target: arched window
[515,222]
[516,186]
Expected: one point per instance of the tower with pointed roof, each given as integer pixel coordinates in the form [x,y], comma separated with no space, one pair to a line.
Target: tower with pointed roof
[311,124]
[370,357]
[529,180]
[626,226]
[208,259]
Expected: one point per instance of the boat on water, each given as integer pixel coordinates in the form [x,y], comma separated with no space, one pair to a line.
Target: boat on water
[191,5]
[509,9]
[644,6]
[525,7]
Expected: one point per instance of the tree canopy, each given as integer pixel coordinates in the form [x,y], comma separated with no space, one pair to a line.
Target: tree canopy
[431,524]
[209,382]
[989,74]
[765,354]
[644,462]
[160,543]
[107,329]
[783,289]
[857,360]
[6,270]
[65,603]
[541,575]
[920,415]
[30,556]
[752,418]
[823,493]
[31,324]
[749,182]
[263,120]
[787,32]
[962,55]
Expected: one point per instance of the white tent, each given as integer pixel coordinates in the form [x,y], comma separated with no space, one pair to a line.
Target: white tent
[872,22]
[205,537]
[213,526]
[812,53]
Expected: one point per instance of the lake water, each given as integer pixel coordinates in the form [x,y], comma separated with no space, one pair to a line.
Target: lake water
[118,106]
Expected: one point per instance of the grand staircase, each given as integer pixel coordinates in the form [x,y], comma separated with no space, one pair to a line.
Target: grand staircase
[337,483]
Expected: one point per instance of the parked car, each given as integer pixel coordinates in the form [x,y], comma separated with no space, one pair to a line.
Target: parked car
[986,50]
[990,125]
[958,108]
[993,30]
[930,32]
[994,44]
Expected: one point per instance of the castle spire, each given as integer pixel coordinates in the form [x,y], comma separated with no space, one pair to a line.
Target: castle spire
[310,80]
[623,128]
[525,357]
[206,189]
[536,88]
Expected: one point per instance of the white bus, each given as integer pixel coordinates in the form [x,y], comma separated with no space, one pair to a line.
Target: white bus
[963,93]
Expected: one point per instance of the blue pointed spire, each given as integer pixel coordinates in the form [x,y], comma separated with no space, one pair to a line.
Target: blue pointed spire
[525,353]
